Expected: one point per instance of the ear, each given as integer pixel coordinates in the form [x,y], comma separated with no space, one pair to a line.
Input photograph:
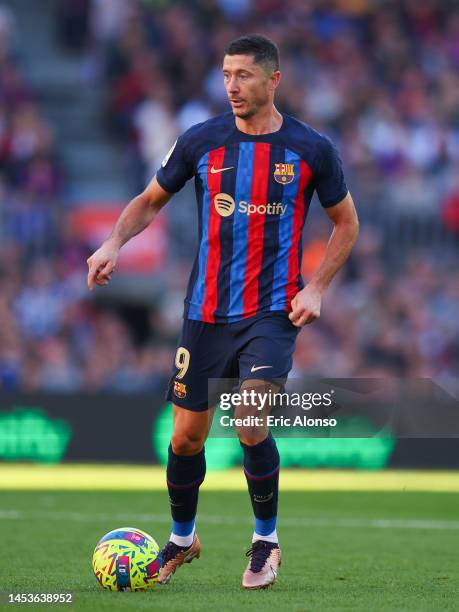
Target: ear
[275,80]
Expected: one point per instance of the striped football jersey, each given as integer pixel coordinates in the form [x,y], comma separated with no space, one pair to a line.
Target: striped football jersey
[253,193]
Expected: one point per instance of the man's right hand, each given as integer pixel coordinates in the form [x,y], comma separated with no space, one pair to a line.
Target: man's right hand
[102,264]
[137,215]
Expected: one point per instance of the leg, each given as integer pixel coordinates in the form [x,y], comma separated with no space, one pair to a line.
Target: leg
[261,465]
[261,468]
[186,468]
[202,354]
[268,347]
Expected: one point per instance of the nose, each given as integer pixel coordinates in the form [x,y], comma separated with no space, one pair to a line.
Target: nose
[232,85]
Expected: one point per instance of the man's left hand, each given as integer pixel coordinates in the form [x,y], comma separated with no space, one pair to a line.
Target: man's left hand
[306,306]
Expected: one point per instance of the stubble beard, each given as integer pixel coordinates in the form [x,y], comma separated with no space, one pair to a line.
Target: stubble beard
[247,114]
[244,115]
[252,111]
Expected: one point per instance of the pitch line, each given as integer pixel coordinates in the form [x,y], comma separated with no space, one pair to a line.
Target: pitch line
[295,523]
[77,477]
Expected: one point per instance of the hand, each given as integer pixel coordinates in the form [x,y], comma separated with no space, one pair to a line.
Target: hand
[102,264]
[306,306]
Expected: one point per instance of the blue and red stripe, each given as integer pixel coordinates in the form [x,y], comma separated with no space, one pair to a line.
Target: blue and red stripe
[256,227]
[271,233]
[294,256]
[210,301]
[205,291]
[228,184]
[286,274]
[197,296]
[242,193]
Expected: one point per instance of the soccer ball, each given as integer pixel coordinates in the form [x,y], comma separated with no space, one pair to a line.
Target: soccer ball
[126,559]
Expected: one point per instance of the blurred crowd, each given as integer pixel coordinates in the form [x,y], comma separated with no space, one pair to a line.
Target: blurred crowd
[53,338]
[380,78]
[30,177]
[380,323]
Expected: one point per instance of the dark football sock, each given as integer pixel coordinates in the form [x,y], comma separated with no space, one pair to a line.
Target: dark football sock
[261,467]
[184,476]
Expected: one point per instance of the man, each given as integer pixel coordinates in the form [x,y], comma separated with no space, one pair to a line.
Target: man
[255,172]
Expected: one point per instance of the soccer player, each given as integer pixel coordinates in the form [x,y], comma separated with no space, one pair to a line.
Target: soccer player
[255,172]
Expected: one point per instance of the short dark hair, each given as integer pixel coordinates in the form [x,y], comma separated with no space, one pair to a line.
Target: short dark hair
[263,50]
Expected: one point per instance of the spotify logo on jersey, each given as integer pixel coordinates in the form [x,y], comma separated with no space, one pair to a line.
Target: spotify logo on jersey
[224,204]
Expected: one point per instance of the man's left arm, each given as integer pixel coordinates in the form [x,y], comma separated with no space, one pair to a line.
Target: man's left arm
[306,304]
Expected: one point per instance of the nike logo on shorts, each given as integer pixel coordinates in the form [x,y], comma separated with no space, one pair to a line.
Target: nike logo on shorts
[254,369]
[217,170]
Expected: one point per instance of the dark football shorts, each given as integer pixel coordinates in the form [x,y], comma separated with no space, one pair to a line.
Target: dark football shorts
[260,348]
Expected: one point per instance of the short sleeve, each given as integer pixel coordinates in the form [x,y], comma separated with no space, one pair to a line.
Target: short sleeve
[329,183]
[176,168]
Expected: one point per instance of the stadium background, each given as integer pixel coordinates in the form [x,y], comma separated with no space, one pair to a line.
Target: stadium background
[92,95]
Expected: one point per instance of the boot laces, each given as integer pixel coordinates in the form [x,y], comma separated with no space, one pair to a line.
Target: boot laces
[171,550]
[259,553]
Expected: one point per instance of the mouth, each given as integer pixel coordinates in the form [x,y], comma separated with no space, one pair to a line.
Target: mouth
[237,102]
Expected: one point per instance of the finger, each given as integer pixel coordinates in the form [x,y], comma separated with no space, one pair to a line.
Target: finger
[91,277]
[106,268]
[94,275]
[300,321]
[103,275]
[106,272]
[92,271]
[301,318]
[311,318]
[296,314]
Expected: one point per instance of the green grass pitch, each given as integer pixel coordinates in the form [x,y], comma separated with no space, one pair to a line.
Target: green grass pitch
[341,550]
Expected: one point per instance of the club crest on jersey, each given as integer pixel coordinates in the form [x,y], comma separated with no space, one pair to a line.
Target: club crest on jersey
[179,389]
[284,173]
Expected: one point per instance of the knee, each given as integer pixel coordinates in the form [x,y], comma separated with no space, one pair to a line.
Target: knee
[251,439]
[253,413]
[252,434]
[183,444]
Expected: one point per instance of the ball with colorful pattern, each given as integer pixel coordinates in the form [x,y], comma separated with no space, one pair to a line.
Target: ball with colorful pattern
[126,559]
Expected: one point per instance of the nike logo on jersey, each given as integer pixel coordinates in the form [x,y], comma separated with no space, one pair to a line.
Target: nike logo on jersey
[254,369]
[217,170]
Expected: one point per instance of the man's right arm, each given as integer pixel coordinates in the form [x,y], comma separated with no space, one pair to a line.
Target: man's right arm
[137,215]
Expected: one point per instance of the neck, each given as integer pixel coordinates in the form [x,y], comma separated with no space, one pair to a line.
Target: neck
[265,121]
